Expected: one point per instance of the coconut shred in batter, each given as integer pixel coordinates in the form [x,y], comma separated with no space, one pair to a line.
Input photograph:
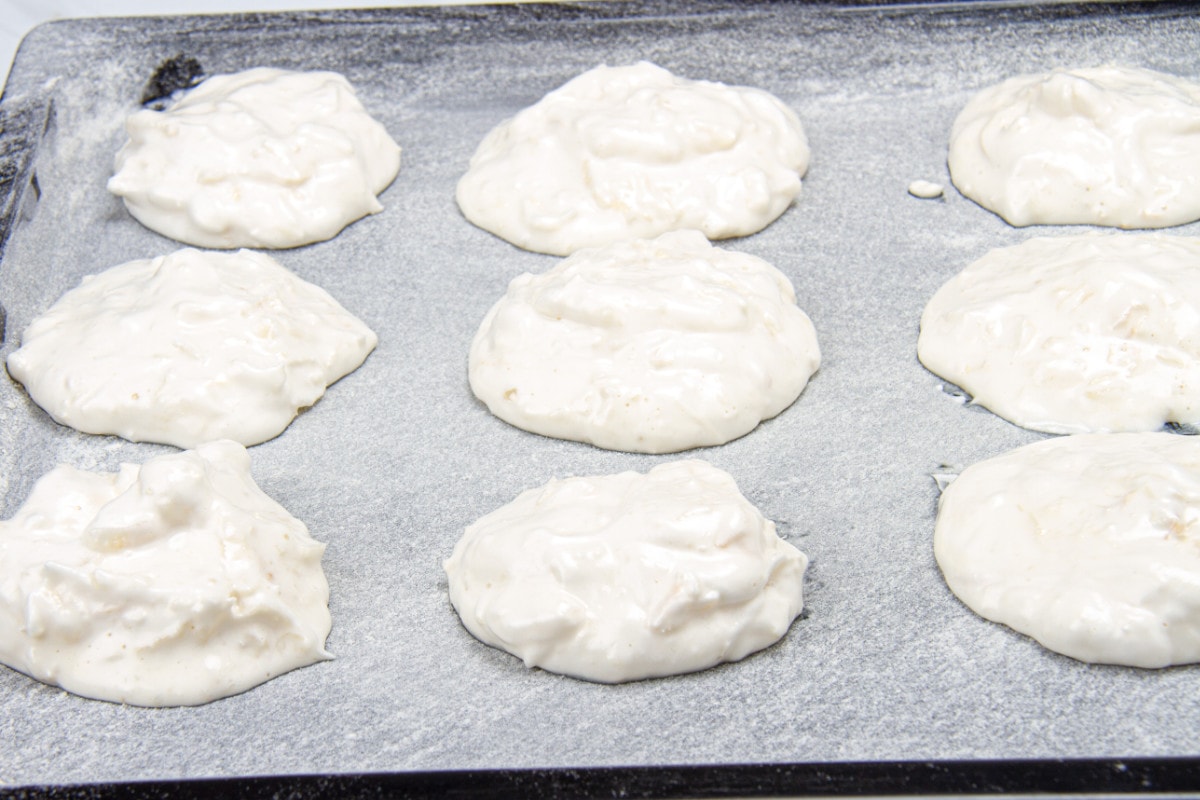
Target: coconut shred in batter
[632,152]
[649,346]
[1094,332]
[1090,544]
[188,348]
[1115,146]
[264,158]
[629,576]
[174,583]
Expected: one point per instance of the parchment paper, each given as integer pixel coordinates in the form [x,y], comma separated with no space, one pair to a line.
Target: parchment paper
[398,457]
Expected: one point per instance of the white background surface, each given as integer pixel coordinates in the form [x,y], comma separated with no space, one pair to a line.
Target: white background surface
[17,17]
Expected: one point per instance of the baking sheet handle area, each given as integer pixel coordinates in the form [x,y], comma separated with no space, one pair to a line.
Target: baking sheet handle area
[1109,777]
[23,126]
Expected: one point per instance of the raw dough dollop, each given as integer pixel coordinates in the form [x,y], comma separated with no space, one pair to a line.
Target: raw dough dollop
[188,348]
[174,583]
[629,576]
[649,346]
[1113,146]
[263,158]
[1099,332]
[1090,544]
[632,152]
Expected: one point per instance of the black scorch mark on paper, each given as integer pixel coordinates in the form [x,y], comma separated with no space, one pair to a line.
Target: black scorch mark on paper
[175,74]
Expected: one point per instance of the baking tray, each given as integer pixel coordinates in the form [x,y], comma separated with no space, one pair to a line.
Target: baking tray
[885,684]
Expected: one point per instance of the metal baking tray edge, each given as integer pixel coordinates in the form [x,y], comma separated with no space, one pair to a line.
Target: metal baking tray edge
[22,123]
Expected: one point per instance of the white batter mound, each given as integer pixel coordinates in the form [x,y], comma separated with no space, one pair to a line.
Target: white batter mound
[649,346]
[174,583]
[629,576]
[263,158]
[631,152]
[1090,544]
[188,348]
[1099,332]
[1113,146]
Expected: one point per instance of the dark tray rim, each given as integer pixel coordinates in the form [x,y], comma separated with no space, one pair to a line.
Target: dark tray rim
[1090,777]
